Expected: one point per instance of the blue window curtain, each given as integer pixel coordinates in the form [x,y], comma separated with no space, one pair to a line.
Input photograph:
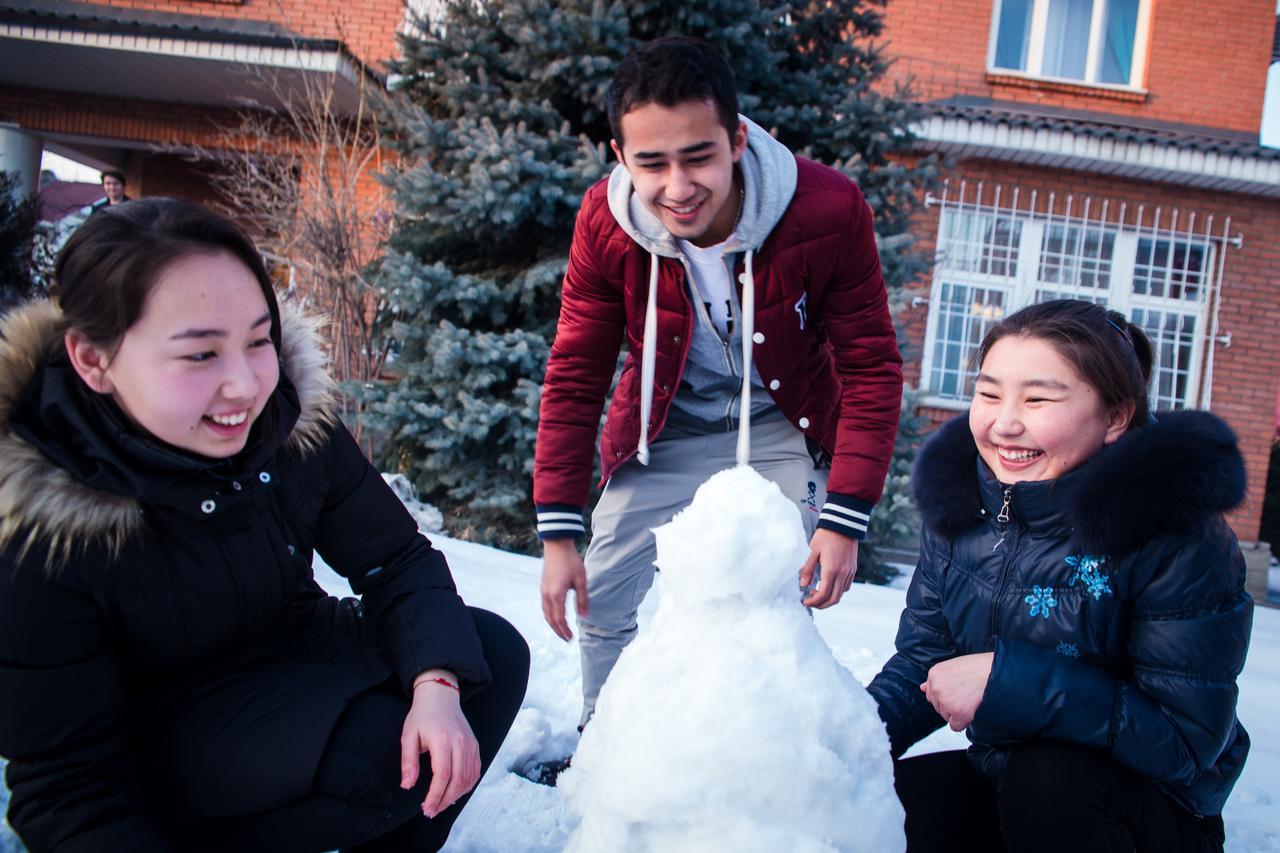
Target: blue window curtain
[1013,30]
[1066,39]
[1117,47]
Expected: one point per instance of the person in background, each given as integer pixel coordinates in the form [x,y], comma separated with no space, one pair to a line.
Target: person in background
[1078,609]
[113,186]
[171,675]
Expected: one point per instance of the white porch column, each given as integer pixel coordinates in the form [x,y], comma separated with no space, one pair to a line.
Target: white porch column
[20,152]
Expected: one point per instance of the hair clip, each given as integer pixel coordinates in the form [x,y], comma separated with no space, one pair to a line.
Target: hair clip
[1124,333]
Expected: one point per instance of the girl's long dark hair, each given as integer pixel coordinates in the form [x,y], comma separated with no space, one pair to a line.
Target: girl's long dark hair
[1102,346]
[111,263]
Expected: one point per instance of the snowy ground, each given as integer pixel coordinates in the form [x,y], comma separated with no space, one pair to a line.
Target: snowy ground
[508,813]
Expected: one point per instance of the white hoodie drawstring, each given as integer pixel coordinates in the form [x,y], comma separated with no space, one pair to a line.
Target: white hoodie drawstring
[648,360]
[748,331]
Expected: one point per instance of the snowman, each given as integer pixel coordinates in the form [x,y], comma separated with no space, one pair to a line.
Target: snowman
[728,724]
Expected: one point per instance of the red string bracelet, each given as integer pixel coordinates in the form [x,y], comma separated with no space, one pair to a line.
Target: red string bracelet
[438,680]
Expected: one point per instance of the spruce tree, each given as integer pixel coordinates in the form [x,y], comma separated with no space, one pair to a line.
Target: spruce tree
[500,123]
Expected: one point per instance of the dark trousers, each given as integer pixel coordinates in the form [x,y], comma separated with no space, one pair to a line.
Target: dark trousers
[1052,797]
[356,801]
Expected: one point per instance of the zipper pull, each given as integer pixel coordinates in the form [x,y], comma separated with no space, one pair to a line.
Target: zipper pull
[1003,517]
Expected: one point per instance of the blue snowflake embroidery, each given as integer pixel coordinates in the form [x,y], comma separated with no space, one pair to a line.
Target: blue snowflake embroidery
[1088,573]
[1041,600]
[1068,649]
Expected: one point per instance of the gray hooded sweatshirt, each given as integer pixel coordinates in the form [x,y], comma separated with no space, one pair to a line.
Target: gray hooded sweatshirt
[711,384]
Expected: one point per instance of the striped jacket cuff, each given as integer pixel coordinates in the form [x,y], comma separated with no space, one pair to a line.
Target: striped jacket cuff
[845,514]
[559,521]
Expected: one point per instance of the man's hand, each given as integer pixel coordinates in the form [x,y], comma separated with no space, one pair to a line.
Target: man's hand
[562,570]
[954,688]
[838,555]
[435,725]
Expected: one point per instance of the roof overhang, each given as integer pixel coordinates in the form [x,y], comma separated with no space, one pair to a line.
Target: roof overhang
[1254,170]
[184,65]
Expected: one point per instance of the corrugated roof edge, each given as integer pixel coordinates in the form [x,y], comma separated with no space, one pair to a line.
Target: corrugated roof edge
[1102,125]
[86,17]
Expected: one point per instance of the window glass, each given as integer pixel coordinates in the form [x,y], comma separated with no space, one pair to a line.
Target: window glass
[1066,44]
[1170,268]
[1012,34]
[1173,336]
[981,243]
[1075,256]
[1117,45]
[1066,40]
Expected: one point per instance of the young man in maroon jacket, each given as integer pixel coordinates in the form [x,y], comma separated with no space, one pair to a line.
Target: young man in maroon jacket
[703,206]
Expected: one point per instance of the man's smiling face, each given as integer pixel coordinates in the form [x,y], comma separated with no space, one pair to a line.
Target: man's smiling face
[681,163]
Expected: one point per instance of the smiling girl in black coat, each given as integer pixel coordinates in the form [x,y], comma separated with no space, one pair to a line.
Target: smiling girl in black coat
[171,675]
[1078,609]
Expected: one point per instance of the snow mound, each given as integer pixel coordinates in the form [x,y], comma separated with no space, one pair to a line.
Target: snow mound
[728,724]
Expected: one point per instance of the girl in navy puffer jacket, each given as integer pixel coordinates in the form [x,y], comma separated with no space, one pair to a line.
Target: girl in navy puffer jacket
[1079,607]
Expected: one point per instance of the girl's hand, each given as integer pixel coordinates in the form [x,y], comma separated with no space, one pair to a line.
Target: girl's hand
[435,725]
[954,688]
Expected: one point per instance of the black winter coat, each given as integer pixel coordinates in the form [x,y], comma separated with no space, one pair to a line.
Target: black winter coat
[1113,598]
[161,635]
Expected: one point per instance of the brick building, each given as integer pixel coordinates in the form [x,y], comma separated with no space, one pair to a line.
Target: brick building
[1108,150]
[1101,148]
[107,82]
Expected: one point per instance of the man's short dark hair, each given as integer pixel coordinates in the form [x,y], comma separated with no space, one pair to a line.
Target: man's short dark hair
[669,71]
[112,173]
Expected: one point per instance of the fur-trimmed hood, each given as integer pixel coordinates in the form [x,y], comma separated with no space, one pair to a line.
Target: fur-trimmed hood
[1166,478]
[42,503]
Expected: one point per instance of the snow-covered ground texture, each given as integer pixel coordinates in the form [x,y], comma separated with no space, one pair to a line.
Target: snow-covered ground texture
[728,720]
[510,814]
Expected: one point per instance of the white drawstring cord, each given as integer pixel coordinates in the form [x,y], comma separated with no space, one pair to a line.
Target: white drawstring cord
[748,323]
[648,360]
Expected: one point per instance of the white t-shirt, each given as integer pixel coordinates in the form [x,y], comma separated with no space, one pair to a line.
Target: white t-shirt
[711,277]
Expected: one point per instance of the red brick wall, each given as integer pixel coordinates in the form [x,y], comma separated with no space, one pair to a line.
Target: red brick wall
[1206,65]
[368,28]
[149,122]
[1246,375]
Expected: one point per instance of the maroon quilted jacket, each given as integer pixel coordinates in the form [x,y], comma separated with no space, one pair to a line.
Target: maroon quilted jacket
[837,376]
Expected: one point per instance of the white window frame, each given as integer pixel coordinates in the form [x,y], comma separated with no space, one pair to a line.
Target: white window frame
[1093,61]
[1021,289]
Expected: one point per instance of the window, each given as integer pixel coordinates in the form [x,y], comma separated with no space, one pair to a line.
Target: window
[1092,41]
[993,260]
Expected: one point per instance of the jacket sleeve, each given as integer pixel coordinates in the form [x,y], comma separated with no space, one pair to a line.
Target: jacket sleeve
[583,358]
[869,364]
[368,537]
[1174,714]
[71,765]
[923,640]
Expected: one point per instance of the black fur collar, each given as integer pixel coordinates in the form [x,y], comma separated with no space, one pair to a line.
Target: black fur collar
[1166,478]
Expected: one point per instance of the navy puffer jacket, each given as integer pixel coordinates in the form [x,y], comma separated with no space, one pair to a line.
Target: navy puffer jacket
[1113,598]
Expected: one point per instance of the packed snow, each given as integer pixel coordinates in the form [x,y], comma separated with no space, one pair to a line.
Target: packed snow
[511,814]
[728,720]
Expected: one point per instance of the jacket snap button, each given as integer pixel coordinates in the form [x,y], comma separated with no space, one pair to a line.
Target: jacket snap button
[804,423]
[676,339]
[235,484]
[208,506]
[264,477]
[758,337]
[617,454]
[774,385]
[666,388]
[742,278]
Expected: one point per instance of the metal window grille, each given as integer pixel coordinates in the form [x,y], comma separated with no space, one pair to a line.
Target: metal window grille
[1000,250]
[967,312]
